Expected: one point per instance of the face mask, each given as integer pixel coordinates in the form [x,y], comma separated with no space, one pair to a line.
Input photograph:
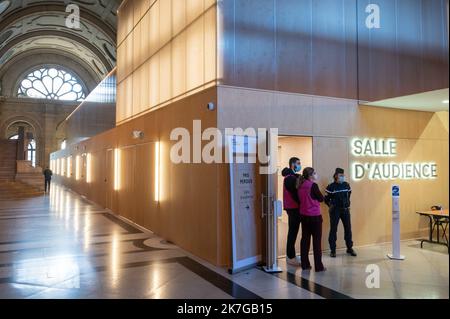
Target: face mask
[297,168]
[315,177]
[341,179]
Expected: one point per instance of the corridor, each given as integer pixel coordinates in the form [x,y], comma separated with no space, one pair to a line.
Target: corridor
[61,246]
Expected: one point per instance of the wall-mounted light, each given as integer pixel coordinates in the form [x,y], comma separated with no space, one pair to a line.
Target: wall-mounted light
[77,167]
[445,101]
[69,166]
[88,168]
[116,169]
[157,172]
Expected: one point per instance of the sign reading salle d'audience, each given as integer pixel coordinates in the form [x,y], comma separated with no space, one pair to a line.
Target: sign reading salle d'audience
[387,170]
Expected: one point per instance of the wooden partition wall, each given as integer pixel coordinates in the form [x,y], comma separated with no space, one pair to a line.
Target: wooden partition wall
[185,209]
[193,209]
[333,123]
[167,49]
[325,47]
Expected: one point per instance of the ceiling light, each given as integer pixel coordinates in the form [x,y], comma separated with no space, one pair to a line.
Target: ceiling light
[4,5]
[445,101]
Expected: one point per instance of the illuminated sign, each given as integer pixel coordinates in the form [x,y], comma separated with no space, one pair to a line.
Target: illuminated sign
[373,147]
[393,171]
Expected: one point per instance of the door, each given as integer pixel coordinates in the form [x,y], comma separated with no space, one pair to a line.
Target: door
[290,146]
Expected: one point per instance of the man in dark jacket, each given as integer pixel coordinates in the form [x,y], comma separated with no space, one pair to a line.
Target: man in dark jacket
[48,178]
[338,199]
[291,205]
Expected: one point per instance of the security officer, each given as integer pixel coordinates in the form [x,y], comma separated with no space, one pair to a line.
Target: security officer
[338,200]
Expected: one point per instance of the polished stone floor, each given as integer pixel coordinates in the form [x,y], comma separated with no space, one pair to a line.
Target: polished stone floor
[61,246]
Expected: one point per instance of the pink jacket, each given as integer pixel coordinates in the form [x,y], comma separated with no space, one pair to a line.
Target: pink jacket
[308,205]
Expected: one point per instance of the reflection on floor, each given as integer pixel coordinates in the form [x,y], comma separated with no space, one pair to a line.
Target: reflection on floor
[423,274]
[61,246]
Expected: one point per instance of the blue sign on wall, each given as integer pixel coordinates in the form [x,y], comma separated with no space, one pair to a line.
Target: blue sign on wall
[395,190]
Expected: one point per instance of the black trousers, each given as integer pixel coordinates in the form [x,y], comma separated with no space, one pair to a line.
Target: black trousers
[342,214]
[311,227]
[47,185]
[294,225]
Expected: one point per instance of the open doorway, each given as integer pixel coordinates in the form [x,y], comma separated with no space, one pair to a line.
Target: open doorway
[290,146]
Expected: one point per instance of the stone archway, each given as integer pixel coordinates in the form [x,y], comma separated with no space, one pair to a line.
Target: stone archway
[7,128]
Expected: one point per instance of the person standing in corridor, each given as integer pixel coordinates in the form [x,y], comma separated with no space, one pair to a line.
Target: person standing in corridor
[48,178]
[338,200]
[310,198]
[291,205]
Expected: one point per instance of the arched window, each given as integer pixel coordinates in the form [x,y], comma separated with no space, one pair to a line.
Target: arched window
[31,152]
[51,83]
[31,149]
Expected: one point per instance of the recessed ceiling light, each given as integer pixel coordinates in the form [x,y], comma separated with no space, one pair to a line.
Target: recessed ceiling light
[445,101]
[4,5]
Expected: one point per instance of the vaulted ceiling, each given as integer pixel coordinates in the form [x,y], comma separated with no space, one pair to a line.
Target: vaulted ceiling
[30,27]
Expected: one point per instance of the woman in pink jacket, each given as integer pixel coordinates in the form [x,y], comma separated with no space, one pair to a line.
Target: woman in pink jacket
[310,198]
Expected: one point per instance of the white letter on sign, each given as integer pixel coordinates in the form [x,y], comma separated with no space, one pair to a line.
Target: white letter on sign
[373,279]
[373,20]
[73,19]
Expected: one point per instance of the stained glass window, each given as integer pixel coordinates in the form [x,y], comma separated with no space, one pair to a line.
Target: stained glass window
[53,84]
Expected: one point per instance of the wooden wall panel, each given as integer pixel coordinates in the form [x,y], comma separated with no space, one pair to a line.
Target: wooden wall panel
[168,46]
[408,54]
[325,164]
[292,46]
[195,55]
[210,43]
[325,48]
[421,136]
[333,42]
[187,211]
[435,37]
[377,47]
[254,53]
[294,40]
[127,191]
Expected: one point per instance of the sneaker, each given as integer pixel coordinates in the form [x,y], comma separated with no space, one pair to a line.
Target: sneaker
[351,252]
[333,254]
[320,270]
[293,261]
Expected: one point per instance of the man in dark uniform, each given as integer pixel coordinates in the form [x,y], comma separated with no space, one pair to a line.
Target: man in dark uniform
[338,200]
[48,178]
[291,205]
